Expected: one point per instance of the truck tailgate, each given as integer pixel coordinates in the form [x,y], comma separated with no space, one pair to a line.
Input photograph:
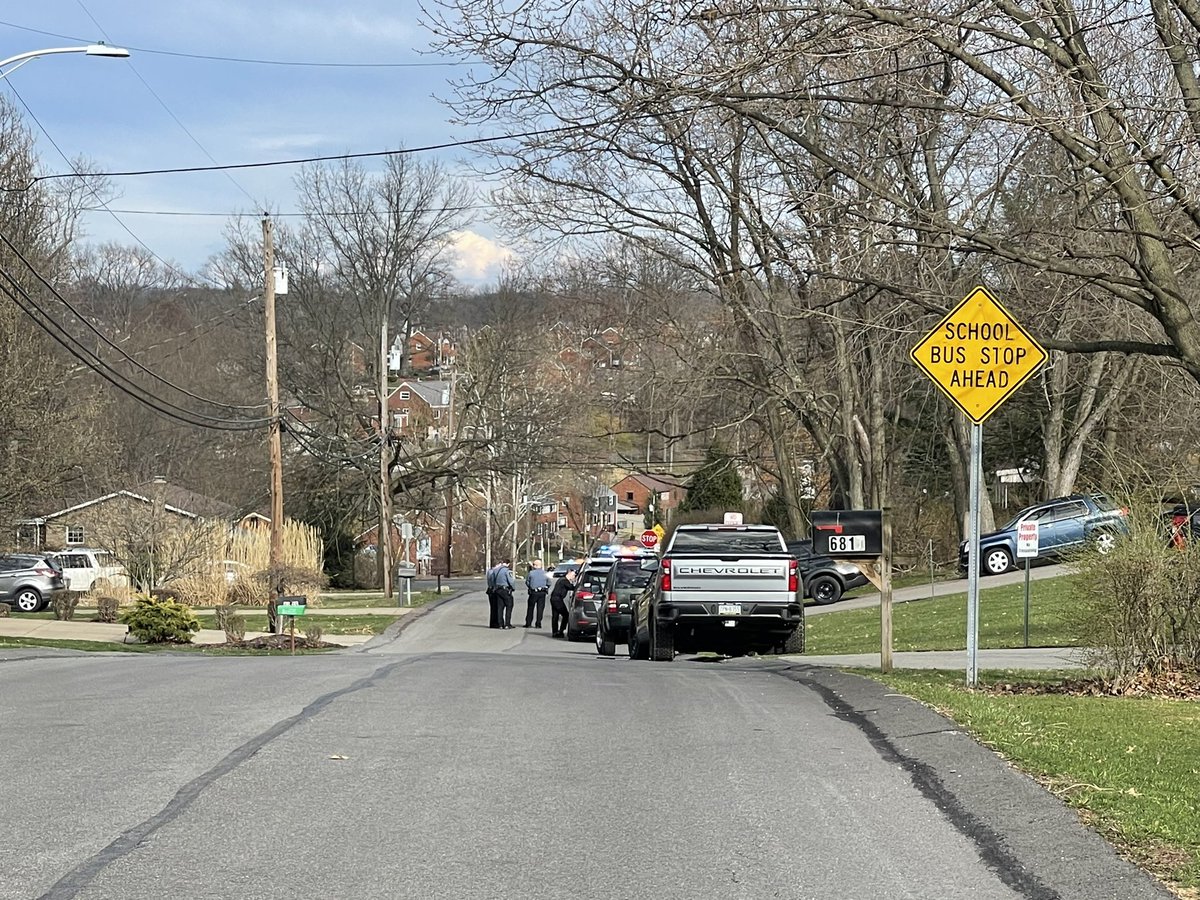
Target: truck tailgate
[711,580]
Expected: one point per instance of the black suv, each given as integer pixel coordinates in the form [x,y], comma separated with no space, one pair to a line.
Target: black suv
[824,579]
[626,579]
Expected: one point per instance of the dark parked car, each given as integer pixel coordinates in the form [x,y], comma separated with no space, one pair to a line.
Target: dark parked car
[825,579]
[30,582]
[1065,524]
[627,578]
[581,602]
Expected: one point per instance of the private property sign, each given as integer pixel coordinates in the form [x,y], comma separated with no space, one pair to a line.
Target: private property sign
[1027,540]
[978,355]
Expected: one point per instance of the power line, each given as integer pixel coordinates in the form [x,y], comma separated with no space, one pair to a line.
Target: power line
[95,192]
[107,340]
[92,360]
[161,102]
[254,61]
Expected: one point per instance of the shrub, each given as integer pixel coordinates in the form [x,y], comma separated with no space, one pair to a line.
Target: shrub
[64,605]
[1139,604]
[231,623]
[107,609]
[313,633]
[235,629]
[155,620]
[5,609]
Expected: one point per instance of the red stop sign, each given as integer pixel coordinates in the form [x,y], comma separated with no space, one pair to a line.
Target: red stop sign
[649,538]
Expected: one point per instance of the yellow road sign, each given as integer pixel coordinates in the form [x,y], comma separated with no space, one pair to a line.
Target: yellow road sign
[978,355]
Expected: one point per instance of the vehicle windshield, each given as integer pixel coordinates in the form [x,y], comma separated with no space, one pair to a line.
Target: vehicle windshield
[727,541]
[1103,503]
[1011,526]
[631,576]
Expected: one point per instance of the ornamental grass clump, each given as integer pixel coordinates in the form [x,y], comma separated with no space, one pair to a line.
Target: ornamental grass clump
[1139,603]
[155,620]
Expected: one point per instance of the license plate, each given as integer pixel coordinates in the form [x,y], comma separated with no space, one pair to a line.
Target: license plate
[729,609]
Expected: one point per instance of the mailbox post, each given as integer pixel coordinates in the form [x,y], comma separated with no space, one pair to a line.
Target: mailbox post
[408,573]
[862,534]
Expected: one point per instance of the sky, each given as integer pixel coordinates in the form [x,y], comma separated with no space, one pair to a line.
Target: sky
[158,109]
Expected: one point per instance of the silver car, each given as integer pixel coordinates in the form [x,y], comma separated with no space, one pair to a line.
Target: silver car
[29,582]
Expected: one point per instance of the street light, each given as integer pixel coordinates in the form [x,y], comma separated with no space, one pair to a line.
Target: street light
[90,49]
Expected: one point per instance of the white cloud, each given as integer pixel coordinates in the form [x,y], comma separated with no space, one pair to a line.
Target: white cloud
[479,258]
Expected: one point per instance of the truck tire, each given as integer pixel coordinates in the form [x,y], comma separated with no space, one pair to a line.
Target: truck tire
[795,640]
[637,650]
[662,642]
[604,646]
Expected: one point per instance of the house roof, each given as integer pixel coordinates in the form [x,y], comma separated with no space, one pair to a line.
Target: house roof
[175,498]
[435,393]
[657,482]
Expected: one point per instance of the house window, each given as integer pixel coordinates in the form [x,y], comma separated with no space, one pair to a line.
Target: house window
[629,495]
[664,496]
[404,395]
[75,534]
[437,413]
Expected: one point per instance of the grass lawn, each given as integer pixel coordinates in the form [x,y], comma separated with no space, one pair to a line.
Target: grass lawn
[372,599]
[941,623]
[257,621]
[1128,764]
[117,647]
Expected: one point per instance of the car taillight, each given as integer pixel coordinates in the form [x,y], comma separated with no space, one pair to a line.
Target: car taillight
[793,577]
[666,574]
[43,570]
[585,595]
[612,601]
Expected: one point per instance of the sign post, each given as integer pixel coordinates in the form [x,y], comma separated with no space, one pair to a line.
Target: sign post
[978,355]
[1027,549]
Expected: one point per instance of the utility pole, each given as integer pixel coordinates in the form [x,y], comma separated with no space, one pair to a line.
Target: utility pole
[273,436]
[451,435]
[385,479]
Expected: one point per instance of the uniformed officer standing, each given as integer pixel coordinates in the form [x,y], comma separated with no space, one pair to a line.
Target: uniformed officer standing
[493,597]
[505,585]
[538,584]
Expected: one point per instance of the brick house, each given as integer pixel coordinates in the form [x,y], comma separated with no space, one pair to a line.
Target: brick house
[425,353]
[640,491]
[420,408]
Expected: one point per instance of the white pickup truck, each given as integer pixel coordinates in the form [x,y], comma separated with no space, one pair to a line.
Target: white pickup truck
[731,589]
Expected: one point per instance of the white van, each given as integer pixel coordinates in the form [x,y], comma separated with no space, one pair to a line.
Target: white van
[86,570]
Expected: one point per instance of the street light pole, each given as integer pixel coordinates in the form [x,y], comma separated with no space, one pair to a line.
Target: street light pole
[90,49]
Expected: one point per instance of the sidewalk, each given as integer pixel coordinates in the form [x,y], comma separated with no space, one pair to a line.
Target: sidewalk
[48,629]
[1033,658]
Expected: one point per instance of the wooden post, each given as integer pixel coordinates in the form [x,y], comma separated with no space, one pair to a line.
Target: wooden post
[274,442]
[885,597]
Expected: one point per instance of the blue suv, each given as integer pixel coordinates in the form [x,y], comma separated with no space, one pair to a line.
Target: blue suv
[1065,524]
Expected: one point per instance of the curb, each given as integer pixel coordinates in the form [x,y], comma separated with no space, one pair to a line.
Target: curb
[393,631]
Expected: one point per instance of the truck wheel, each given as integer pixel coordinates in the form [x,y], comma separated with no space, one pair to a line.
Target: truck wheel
[604,646]
[662,642]
[825,589]
[795,640]
[636,649]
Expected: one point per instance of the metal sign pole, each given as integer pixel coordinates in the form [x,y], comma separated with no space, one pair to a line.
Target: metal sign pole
[1027,604]
[973,560]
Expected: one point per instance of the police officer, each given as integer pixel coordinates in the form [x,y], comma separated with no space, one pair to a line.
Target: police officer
[493,597]
[505,585]
[537,582]
[558,604]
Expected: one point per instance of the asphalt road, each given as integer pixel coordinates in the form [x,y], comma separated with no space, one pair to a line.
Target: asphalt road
[456,761]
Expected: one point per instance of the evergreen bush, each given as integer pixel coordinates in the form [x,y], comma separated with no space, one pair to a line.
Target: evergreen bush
[155,620]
